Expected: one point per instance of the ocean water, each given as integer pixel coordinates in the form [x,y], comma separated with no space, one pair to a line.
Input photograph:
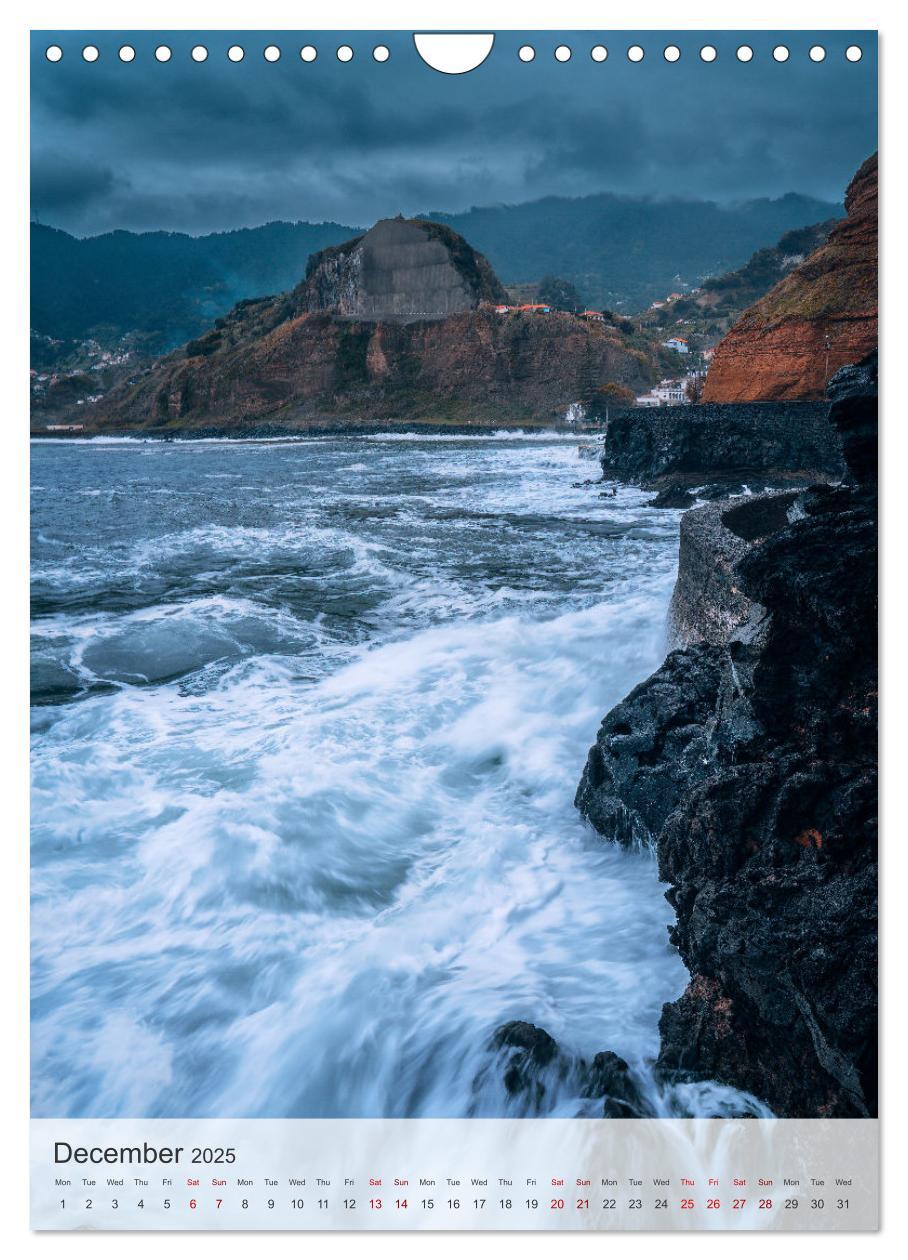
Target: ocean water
[308,721]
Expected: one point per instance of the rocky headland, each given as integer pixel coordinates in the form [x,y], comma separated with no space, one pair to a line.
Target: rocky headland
[398,323]
[822,315]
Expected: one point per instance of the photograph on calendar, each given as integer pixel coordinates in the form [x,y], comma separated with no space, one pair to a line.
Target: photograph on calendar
[454,563]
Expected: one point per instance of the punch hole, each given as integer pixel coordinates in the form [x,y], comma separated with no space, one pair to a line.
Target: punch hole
[708,53]
[236,53]
[162,53]
[453,54]
[345,53]
[817,53]
[562,53]
[54,53]
[308,53]
[599,52]
[745,53]
[780,53]
[90,53]
[526,53]
[635,53]
[672,53]
[853,52]
[381,52]
[199,53]
[127,53]
[272,53]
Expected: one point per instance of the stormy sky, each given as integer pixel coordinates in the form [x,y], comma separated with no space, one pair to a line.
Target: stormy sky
[202,147]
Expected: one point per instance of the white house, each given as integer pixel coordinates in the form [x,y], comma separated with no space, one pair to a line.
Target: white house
[678,344]
[668,393]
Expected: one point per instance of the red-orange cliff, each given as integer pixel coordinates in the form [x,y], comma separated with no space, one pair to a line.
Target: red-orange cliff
[822,316]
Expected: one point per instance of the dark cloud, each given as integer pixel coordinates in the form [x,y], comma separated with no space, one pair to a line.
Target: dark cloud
[197,147]
[61,183]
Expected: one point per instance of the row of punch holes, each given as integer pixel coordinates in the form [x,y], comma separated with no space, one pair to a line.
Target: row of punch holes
[526,53]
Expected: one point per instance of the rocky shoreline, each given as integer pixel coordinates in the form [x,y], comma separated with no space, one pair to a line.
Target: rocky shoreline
[748,761]
[750,764]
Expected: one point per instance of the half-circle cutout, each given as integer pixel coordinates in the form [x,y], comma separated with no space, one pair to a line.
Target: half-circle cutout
[453,54]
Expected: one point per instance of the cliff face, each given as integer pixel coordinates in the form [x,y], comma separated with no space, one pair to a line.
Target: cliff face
[394,324]
[475,365]
[822,316]
[750,763]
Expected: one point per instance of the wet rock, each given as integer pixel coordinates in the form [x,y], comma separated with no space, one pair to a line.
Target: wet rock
[673,496]
[535,1063]
[708,603]
[531,1050]
[608,1077]
[651,747]
[853,394]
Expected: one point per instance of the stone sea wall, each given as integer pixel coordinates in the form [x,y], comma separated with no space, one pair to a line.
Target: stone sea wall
[708,604]
[759,443]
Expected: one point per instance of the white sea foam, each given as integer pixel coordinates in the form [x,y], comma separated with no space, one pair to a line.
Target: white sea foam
[317,841]
[497,435]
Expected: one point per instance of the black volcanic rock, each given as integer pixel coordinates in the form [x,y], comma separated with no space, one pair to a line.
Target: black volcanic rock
[651,747]
[532,1061]
[608,1077]
[673,496]
[708,602]
[853,394]
[527,1052]
[753,765]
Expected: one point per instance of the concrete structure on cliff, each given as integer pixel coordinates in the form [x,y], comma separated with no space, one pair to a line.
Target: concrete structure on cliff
[400,271]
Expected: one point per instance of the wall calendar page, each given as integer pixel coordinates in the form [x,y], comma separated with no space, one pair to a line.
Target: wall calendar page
[454,624]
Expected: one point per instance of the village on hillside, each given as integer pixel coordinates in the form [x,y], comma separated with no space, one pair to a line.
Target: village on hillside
[694,351]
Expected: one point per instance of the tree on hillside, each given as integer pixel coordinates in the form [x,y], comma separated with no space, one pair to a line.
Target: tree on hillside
[616,395]
[596,404]
[554,291]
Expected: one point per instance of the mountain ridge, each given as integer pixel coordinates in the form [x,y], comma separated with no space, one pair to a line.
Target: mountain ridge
[166,287]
